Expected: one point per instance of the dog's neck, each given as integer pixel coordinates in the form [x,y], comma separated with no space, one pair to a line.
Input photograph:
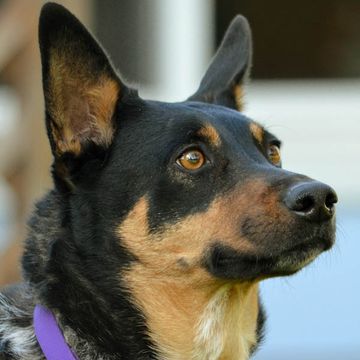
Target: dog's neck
[83,290]
[192,321]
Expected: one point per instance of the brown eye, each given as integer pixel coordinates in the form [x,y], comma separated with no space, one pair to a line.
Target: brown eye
[191,160]
[274,155]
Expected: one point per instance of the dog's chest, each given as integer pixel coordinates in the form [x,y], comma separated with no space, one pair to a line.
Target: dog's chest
[227,327]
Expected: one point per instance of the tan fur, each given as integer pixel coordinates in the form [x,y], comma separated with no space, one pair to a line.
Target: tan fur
[227,326]
[80,105]
[178,248]
[174,291]
[257,131]
[238,91]
[187,321]
[211,134]
[185,240]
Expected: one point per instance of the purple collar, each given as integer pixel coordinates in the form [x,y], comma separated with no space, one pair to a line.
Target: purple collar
[49,336]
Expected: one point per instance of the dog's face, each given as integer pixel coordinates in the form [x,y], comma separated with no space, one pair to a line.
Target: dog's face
[192,191]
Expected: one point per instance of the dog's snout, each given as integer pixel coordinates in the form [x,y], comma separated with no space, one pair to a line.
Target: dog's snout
[312,200]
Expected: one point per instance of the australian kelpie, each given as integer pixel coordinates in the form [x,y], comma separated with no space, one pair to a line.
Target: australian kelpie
[164,217]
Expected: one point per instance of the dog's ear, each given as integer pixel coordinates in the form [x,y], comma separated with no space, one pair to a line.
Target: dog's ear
[80,86]
[223,82]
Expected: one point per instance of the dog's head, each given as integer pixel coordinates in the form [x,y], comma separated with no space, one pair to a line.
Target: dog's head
[191,190]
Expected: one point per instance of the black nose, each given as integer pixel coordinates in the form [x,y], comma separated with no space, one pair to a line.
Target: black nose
[312,200]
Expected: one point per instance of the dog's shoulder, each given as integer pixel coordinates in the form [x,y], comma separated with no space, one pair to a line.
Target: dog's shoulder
[17,338]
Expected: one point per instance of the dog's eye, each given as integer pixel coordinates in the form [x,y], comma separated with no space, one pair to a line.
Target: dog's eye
[274,154]
[191,159]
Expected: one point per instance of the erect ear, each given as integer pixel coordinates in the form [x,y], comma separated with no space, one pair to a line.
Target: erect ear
[223,82]
[80,86]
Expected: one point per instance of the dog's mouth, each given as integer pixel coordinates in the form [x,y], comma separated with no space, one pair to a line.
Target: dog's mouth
[294,259]
[226,263]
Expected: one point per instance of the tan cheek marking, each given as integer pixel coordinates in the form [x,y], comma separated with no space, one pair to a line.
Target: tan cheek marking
[165,252]
[239,96]
[210,133]
[257,132]
[188,239]
[81,106]
[172,289]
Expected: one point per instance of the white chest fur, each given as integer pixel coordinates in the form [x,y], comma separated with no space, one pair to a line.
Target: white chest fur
[227,327]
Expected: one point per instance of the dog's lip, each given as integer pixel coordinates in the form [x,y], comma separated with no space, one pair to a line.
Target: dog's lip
[245,266]
[297,257]
[311,244]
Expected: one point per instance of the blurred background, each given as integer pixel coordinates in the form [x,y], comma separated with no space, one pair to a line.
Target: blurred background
[305,88]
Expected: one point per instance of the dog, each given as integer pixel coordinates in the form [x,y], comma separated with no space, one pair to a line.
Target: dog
[164,217]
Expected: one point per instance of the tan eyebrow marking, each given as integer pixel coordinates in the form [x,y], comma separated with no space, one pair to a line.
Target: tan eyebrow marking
[211,134]
[257,131]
